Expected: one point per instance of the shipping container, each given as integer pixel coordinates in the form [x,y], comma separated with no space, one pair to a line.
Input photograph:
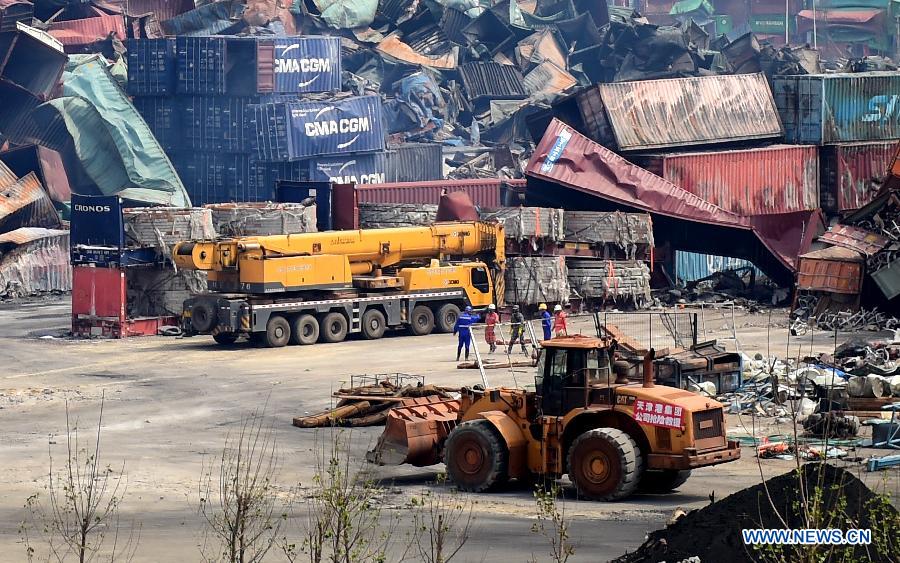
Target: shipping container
[415,162]
[290,191]
[222,177]
[852,173]
[77,34]
[833,269]
[31,60]
[772,24]
[368,168]
[679,112]
[244,66]
[163,118]
[218,123]
[776,179]
[837,108]
[345,198]
[13,12]
[693,266]
[151,67]
[298,130]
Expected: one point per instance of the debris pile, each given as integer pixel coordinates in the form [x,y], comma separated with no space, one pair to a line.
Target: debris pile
[845,503]
[261,219]
[368,405]
[389,215]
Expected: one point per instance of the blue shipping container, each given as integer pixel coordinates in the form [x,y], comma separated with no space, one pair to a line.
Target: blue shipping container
[216,123]
[692,266]
[219,177]
[151,67]
[352,169]
[838,108]
[162,116]
[307,64]
[298,130]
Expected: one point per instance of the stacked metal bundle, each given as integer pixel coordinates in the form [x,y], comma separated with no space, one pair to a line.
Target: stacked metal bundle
[162,227]
[631,232]
[261,219]
[34,260]
[156,292]
[613,280]
[531,280]
[389,215]
[525,223]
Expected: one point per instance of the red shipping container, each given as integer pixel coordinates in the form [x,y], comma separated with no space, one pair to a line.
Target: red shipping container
[852,173]
[345,198]
[776,179]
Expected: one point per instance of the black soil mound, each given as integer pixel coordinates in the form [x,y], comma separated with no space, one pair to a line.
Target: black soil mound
[713,533]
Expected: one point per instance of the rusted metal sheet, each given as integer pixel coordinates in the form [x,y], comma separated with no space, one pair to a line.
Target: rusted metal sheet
[76,33]
[565,157]
[776,179]
[7,177]
[853,173]
[164,9]
[34,261]
[44,162]
[860,240]
[493,81]
[25,204]
[678,112]
[347,197]
[835,269]
[394,47]
[548,78]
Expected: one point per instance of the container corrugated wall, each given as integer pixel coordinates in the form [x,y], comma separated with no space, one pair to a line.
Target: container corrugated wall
[297,130]
[691,266]
[776,179]
[680,111]
[353,169]
[415,162]
[151,67]
[307,64]
[839,108]
[852,173]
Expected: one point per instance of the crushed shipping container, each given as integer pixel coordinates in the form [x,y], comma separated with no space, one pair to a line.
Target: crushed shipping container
[34,261]
[523,223]
[610,280]
[679,112]
[390,215]
[163,227]
[630,232]
[775,179]
[853,173]
[161,292]
[262,219]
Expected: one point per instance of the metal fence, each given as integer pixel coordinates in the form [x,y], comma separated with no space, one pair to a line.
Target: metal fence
[651,329]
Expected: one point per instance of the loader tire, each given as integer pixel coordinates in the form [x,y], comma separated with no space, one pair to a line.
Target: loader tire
[304,330]
[225,338]
[476,456]
[278,332]
[605,464]
[663,480]
[333,328]
[445,319]
[421,321]
[373,324]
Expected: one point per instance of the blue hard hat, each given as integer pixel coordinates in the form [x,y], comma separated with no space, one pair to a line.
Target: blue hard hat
[468,308]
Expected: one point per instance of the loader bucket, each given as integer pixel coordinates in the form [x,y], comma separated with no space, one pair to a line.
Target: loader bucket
[415,432]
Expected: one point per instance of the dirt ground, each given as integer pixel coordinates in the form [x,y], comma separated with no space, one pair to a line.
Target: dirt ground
[169,403]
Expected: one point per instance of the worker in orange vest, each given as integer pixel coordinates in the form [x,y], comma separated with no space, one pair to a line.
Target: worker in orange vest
[559,321]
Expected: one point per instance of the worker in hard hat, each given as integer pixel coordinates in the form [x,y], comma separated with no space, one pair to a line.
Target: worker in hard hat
[490,324]
[517,330]
[559,321]
[462,328]
[546,320]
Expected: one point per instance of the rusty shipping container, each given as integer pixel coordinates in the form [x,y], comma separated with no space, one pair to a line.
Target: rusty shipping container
[679,112]
[833,269]
[852,173]
[75,34]
[345,198]
[776,179]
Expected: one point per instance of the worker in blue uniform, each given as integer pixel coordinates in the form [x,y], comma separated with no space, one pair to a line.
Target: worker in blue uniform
[546,320]
[463,330]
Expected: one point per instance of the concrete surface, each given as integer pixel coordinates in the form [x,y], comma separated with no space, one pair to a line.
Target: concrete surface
[169,403]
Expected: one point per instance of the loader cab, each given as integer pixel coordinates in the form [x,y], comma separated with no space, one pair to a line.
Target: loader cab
[573,372]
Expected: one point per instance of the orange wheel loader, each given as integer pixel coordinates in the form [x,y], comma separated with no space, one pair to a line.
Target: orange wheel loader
[585,418]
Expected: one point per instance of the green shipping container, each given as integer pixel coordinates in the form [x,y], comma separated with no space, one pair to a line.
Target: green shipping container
[723,24]
[772,24]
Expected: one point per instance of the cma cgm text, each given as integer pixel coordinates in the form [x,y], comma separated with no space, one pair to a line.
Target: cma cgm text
[302,65]
[333,127]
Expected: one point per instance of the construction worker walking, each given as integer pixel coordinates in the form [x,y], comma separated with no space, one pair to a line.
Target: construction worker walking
[462,328]
[517,330]
[559,321]
[490,322]
[545,320]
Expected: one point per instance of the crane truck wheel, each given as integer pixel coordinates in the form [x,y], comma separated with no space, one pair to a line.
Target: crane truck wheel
[278,332]
[446,317]
[333,328]
[304,330]
[421,321]
[373,324]
[203,316]
[605,464]
[663,480]
[476,456]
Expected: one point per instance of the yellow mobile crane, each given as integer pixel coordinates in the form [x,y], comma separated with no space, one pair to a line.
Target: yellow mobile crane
[308,287]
